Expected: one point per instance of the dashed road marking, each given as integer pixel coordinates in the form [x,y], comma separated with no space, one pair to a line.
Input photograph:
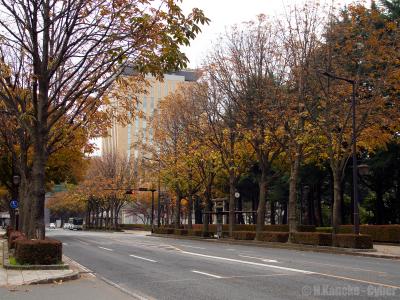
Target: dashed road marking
[194,247]
[207,274]
[143,258]
[108,249]
[260,258]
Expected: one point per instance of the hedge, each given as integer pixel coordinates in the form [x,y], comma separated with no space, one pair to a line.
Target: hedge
[312,238]
[13,237]
[244,235]
[38,252]
[200,233]
[361,241]
[273,236]
[135,226]
[164,230]
[305,228]
[378,233]
[181,231]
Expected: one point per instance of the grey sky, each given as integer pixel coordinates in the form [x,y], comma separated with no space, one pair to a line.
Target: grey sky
[224,13]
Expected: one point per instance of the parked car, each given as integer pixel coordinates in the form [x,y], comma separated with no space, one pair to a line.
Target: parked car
[66,225]
[52,226]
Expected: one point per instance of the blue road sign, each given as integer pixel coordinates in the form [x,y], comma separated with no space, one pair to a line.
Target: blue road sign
[14,204]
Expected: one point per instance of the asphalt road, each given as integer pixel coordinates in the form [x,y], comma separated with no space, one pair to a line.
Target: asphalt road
[147,267]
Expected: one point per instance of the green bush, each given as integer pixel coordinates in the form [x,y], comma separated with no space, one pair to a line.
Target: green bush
[312,238]
[181,231]
[38,252]
[273,236]
[378,233]
[13,237]
[135,226]
[244,235]
[244,227]
[324,229]
[305,228]
[278,228]
[361,241]
[199,233]
[163,230]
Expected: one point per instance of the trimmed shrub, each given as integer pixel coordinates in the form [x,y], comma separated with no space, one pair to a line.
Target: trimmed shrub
[378,233]
[306,228]
[244,227]
[181,231]
[13,237]
[278,228]
[312,238]
[38,252]
[200,233]
[273,236]
[361,241]
[9,229]
[135,226]
[324,229]
[163,230]
[244,235]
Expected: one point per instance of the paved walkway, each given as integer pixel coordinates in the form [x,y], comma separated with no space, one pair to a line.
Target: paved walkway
[389,251]
[21,277]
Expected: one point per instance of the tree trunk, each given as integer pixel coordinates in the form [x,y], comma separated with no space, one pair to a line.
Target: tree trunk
[337,201]
[317,204]
[178,211]
[231,200]
[190,210]
[292,205]
[380,208]
[36,227]
[262,201]
[272,213]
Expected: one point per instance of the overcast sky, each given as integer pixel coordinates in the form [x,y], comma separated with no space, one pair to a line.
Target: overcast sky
[224,13]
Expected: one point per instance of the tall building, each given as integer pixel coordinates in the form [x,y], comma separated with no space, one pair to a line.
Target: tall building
[124,141]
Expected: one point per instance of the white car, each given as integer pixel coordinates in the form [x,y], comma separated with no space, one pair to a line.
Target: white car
[66,226]
[52,226]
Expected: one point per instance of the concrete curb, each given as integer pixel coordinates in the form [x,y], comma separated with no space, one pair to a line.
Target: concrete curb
[8,266]
[62,278]
[320,249]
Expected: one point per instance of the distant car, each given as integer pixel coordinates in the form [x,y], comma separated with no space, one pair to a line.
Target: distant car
[52,226]
[66,225]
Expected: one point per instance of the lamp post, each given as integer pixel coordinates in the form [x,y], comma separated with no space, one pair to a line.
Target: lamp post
[356,215]
[152,205]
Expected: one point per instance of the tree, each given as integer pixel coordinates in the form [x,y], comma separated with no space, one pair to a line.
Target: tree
[67,54]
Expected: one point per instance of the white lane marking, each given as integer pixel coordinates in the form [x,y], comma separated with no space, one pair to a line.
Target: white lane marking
[85,270]
[108,249]
[207,274]
[262,259]
[135,295]
[249,263]
[82,242]
[139,257]
[359,280]
[230,249]
[194,247]
[65,244]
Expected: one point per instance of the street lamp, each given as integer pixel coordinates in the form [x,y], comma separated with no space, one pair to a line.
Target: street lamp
[354,141]
[152,205]
[16,181]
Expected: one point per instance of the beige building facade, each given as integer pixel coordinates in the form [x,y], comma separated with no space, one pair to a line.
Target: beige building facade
[128,141]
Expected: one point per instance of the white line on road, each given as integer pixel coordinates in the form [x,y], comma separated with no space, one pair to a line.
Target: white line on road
[194,247]
[249,263]
[65,244]
[262,259]
[139,257]
[207,274]
[108,249]
[82,242]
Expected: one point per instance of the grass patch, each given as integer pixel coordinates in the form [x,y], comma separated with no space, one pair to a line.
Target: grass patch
[13,261]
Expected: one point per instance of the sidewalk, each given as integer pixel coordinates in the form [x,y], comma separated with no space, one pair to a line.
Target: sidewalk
[24,277]
[379,251]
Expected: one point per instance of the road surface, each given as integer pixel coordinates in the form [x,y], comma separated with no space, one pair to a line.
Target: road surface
[146,267]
